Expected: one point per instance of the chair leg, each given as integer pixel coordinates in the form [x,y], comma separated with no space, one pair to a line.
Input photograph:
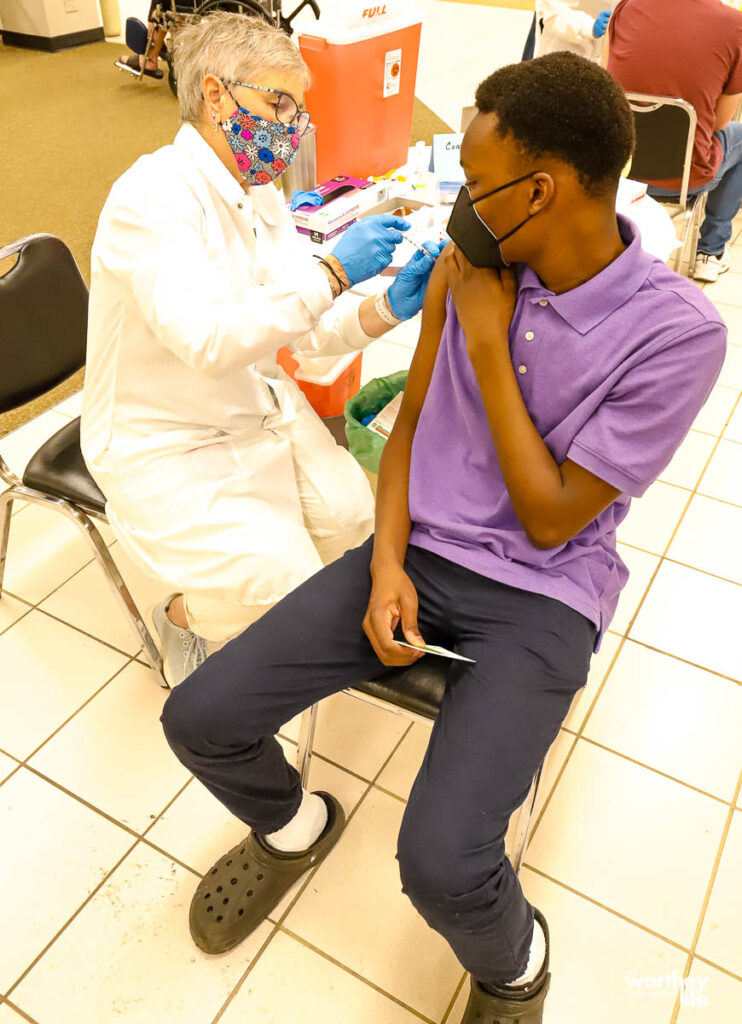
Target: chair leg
[699,212]
[125,599]
[306,740]
[523,825]
[86,526]
[6,510]
[151,651]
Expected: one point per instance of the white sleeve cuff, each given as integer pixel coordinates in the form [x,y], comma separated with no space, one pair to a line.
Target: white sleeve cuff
[315,291]
[349,322]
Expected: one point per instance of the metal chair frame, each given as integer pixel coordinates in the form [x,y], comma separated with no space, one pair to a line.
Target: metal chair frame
[524,812]
[83,519]
[692,212]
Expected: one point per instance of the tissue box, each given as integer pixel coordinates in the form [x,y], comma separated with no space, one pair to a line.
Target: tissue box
[356,195]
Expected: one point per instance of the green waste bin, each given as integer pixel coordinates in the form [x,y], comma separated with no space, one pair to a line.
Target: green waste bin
[366,445]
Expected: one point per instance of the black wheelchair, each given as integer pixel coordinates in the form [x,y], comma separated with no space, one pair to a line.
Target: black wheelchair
[165,15]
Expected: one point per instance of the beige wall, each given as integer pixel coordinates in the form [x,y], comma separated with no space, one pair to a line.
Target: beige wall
[48,17]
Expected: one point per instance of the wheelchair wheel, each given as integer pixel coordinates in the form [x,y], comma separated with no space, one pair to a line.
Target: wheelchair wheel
[171,79]
[250,7]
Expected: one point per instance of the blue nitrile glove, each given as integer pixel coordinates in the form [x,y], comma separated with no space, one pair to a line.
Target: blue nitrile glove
[299,198]
[368,245]
[601,24]
[405,297]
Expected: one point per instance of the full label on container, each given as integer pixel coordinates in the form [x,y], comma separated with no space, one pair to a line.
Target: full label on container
[392,72]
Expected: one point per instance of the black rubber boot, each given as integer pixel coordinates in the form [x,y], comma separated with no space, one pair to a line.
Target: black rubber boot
[504,1005]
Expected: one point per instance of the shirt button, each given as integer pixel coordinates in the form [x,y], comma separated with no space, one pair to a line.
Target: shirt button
[543,302]
[521,368]
[239,206]
[529,335]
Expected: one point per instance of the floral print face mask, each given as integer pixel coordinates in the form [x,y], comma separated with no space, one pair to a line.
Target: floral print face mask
[263,149]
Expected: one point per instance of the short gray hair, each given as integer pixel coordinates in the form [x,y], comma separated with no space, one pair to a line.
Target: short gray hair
[232,47]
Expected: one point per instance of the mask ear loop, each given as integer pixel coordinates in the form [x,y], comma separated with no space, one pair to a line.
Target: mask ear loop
[508,184]
[501,238]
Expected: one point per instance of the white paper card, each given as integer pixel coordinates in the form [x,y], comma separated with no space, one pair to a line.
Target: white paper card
[446,157]
[441,652]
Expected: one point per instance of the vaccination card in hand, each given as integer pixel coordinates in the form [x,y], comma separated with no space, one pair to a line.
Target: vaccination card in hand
[432,649]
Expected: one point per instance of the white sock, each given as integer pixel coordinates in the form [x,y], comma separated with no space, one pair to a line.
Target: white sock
[535,957]
[306,825]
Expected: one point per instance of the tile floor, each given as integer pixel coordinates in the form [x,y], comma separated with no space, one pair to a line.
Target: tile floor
[638,838]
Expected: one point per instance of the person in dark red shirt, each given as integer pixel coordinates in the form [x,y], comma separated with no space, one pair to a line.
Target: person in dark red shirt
[691,50]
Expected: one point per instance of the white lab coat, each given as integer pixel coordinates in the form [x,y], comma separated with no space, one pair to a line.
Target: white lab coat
[219,477]
[568,25]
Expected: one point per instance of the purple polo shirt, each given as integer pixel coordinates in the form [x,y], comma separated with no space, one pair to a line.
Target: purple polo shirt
[612,373]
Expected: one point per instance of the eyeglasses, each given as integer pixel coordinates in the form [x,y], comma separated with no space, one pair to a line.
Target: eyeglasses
[287,109]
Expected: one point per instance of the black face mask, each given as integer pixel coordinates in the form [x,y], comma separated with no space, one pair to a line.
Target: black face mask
[479,244]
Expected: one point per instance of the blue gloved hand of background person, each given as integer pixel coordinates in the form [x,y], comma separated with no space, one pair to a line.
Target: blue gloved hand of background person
[368,245]
[601,24]
[405,297]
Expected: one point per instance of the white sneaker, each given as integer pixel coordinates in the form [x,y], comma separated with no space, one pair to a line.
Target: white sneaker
[182,651]
[708,268]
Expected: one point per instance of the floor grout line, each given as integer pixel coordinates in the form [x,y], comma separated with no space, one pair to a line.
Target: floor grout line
[656,771]
[140,836]
[684,565]
[18,1010]
[355,974]
[77,710]
[604,906]
[685,661]
[92,636]
[718,967]
[137,837]
[714,497]
[69,921]
[449,1009]
[707,895]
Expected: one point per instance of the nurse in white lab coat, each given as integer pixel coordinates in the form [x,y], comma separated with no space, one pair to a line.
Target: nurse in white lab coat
[219,477]
[574,25]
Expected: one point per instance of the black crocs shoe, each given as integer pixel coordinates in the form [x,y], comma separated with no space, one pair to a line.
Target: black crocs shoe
[244,885]
[506,1005]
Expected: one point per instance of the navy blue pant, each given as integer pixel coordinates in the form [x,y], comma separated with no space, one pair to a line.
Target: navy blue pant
[497,720]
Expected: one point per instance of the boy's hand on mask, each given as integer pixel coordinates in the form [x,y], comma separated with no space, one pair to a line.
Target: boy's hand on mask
[484,298]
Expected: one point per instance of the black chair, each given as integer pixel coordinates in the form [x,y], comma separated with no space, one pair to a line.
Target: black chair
[43,325]
[665,133]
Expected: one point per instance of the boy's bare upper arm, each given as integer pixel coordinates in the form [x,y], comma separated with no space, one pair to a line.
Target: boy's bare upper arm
[423,361]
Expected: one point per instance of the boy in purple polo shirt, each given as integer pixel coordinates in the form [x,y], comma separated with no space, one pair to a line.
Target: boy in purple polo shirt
[542,396]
